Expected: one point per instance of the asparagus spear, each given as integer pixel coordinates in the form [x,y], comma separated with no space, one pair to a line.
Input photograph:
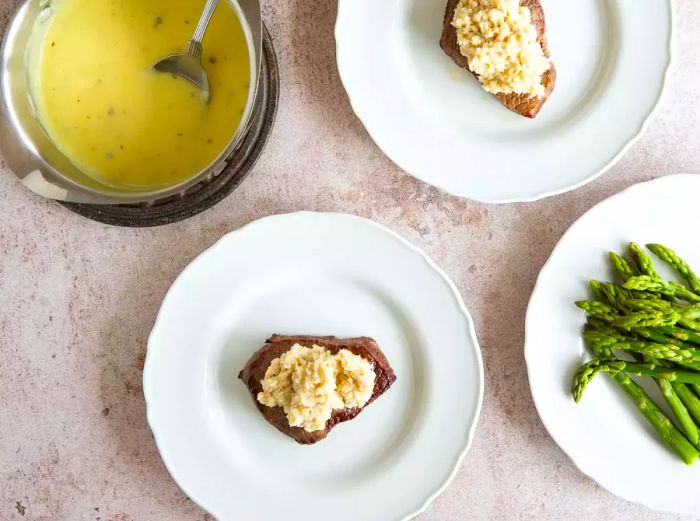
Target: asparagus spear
[651,281]
[682,402]
[673,438]
[670,314]
[655,335]
[623,268]
[685,406]
[672,259]
[689,324]
[636,319]
[691,402]
[680,334]
[619,297]
[588,371]
[594,324]
[650,314]
[671,289]
[603,338]
[676,402]
[683,293]
[639,319]
[598,310]
[603,335]
[612,294]
[670,352]
[651,305]
[643,261]
[642,318]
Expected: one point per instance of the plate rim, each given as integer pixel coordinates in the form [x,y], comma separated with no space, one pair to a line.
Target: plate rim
[528,349]
[645,122]
[470,331]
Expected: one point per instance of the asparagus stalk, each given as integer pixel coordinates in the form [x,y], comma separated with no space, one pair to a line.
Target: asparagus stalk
[623,268]
[668,390]
[612,294]
[588,371]
[655,336]
[595,324]
[689,324]
[683,293]
[672,259]
[673,438]
[670,352]
[685,406]
[599,310]
[681,334]
[670,289]
[651,305]
[691,402]
[647,317]
[691,375]
[643,261]
[682,402]
[603,338]
[639,319]
[603,335]
[668,314]
[643,318]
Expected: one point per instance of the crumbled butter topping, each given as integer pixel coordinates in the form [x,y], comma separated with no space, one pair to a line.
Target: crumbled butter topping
[500,43]
[310,383]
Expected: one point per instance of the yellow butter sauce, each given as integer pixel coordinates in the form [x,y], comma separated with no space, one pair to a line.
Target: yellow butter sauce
[117,119]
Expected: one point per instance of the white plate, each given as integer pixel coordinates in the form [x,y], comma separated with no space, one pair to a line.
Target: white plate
[320,274]
[605,435]
[434,120]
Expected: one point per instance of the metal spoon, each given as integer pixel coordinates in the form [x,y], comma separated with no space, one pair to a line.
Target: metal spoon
[189,63]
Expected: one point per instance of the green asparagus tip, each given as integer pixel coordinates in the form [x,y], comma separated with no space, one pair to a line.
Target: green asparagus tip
[585,374]
[593,324]
[636,249]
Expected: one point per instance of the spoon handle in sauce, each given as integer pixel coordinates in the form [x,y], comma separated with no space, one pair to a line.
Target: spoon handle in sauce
[195,45]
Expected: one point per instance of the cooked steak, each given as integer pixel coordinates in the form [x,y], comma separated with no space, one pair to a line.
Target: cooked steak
[253,374]
[523,104]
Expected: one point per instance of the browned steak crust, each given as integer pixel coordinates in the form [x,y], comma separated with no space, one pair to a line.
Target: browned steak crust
[254,372]
[523,104]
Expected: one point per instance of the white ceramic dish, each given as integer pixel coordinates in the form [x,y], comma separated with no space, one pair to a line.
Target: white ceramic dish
[310,273]
[433,119]
[605,435]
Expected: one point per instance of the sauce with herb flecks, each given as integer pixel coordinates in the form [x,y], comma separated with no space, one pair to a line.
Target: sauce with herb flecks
[117,119]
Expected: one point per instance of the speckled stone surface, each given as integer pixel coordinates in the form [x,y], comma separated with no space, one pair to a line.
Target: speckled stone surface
[78,299]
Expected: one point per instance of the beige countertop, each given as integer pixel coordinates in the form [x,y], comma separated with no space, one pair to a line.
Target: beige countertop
[78,299]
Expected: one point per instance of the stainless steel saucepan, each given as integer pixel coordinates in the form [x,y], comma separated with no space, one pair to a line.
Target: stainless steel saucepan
[35,159]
